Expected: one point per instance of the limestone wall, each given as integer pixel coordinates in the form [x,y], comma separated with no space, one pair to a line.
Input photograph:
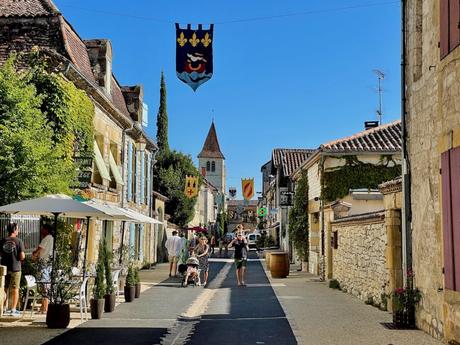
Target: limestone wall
[359,261]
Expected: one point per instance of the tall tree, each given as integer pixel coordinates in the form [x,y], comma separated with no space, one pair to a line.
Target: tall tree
[298,218]
[162,120]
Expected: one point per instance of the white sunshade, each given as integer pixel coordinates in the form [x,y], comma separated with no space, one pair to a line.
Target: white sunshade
[139,217]
[100,164]
[119,213]
[115,171]
[58,203]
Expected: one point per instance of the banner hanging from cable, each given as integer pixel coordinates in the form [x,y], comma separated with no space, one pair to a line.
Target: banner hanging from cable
[194,55]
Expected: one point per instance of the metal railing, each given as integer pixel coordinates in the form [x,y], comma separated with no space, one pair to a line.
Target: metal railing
[29,230]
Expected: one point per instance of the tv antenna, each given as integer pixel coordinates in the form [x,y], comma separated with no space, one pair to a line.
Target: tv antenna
[380,76]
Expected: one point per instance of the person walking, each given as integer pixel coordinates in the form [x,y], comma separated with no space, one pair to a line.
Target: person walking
[44,253]
[213,243]
[12,252]
[202,253]
[174,247]
[241,256]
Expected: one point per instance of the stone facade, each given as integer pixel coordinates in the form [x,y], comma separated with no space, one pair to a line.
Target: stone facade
[359,262]
[433,124]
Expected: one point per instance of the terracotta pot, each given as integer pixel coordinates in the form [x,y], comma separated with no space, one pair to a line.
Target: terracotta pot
[130,291]
[137,294]
[97,308]
[279,265]
[109,304]
[58,316]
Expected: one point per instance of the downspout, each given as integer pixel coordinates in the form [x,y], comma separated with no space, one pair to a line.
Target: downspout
[321,208]
[406,211]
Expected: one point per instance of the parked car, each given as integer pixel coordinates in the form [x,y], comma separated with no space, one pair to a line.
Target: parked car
[252,239]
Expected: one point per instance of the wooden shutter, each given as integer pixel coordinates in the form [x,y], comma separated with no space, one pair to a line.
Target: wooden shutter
[454,18]
[130,171]
[444,28]
[447,221]
[455,214]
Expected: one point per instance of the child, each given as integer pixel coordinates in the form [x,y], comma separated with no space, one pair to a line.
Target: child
[192,271]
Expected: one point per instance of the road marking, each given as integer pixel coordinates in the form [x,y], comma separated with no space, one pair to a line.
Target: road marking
[266,285]
[246,318]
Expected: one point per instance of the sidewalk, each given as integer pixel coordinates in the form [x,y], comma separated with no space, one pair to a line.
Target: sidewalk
[322,316]
[32,331]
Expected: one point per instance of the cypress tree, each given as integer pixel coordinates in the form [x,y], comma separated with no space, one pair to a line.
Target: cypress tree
[162,120]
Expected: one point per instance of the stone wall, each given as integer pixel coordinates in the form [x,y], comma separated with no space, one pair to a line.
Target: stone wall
[359,262]
[433,123]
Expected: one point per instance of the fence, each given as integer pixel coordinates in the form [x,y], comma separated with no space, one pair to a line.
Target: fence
[29,230]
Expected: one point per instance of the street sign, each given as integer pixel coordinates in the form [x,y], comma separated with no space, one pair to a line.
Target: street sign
[262,212]
[286,198]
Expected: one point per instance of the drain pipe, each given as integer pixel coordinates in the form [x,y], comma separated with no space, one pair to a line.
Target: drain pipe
[406,180]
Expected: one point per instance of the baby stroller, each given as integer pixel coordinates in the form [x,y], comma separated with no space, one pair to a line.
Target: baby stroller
[191,276]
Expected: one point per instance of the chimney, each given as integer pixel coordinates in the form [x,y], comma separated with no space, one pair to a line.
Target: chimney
[370,124]
[134,96]
[100,57]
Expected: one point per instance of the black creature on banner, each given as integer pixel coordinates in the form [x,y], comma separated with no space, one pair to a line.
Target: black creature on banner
[194,55]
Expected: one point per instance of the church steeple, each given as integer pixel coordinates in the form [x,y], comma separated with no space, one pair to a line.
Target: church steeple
[211,148]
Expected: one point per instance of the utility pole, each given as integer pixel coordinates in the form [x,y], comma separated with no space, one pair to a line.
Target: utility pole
[380,77]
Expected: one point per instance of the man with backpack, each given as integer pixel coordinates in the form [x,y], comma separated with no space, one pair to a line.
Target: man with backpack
[12,252]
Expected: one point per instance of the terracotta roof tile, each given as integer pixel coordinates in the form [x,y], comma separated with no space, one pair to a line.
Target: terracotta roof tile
[27,8]
[117,97]
[211,148]
[290,159]
[384,138]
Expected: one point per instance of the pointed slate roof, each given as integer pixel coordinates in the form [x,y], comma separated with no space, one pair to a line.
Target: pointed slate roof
[211,147]
[27,8]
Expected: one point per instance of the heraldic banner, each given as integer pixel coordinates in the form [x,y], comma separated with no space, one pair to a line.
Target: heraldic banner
[194,55]
[247,186]
[191,186]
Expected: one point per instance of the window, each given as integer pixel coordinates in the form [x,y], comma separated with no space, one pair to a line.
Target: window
[134,175]
[213,166]
[449,30]
[450,175]
[208,166]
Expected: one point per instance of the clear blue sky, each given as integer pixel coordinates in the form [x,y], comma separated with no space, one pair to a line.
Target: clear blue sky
[292,82]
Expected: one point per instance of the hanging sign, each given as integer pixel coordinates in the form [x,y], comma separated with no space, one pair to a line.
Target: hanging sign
[247,186]
[194,55]
[262,212]
[191,186]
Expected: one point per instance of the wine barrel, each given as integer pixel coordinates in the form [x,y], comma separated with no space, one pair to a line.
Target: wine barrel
[267,257]
[279,265]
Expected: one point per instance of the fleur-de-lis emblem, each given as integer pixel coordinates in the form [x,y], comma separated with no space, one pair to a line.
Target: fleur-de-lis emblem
[206,40]
[194,41]
[182,40]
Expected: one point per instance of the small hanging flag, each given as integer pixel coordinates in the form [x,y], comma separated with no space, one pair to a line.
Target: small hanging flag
[191,186]
[247,186]
[194,55]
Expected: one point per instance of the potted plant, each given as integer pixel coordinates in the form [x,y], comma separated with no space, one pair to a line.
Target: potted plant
[137,293]
[97,302]
[130,285]
[60,289]
[404,301]
[109,296]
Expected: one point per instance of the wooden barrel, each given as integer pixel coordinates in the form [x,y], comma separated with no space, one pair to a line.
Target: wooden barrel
[267,257]
[279,265]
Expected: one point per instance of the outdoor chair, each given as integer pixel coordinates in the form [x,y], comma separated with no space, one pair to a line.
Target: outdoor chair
[81,299]
[116,282]
[32,293]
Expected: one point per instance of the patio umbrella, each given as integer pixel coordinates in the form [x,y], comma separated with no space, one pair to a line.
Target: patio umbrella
[56,205]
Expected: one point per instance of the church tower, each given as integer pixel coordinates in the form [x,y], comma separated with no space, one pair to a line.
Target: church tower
[212,161]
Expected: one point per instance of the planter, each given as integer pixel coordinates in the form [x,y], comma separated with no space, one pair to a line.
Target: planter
[109,304]
[404,319]
[137,293]
[279,265]
[58,316]
[97,308]
[398,319]
[130,292]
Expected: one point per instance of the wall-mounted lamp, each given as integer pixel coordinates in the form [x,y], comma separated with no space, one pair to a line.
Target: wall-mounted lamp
[141,144]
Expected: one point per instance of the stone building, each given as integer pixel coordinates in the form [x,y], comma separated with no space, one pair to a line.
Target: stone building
[277,191]
[343,178]
[241,212]
[206,206]
[432,84]
[123,153]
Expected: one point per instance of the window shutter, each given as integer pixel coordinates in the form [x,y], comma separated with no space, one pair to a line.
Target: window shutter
[444,28]
[447,221]
[455,214]
[132,240]
[142,178]
[149,178]
[454,17]
[136,180]
[130,171]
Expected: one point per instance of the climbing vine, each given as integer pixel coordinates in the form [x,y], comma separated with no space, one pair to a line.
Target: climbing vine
[337,182]
[298,218]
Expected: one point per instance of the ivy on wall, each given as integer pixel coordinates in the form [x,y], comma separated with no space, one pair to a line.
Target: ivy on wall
[298,218]
[337,182]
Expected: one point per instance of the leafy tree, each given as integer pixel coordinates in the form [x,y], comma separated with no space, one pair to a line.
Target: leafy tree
[298,218]
[169,180]
[162,120]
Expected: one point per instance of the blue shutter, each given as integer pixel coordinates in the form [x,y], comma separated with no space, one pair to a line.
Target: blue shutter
[141,242]
[136,181]
[132,239]
[149,178]
[141,192]
[130,170]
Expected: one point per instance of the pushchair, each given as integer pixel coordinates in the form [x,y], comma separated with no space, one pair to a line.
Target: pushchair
[191,275]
